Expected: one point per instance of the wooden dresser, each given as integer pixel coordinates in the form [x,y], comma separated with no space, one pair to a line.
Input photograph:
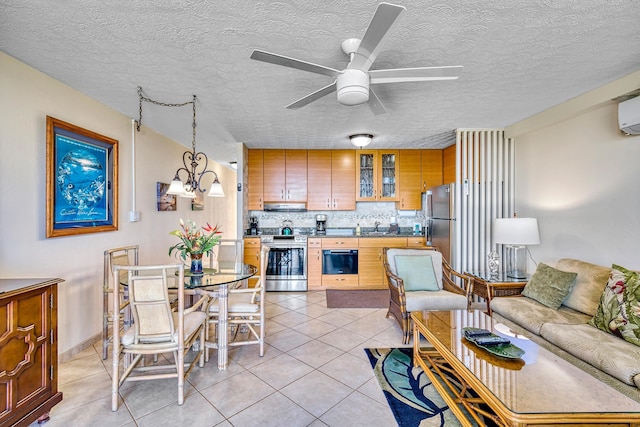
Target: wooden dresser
[28,350]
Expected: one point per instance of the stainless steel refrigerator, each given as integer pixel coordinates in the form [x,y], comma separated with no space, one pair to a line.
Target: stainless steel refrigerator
[440,217]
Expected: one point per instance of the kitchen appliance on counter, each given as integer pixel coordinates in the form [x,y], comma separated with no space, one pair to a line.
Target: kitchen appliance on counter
[440,215]
[287,262]
[287,228]
[321,224]
[253,226]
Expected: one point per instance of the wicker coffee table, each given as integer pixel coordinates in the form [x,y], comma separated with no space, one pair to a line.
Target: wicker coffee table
[539,388]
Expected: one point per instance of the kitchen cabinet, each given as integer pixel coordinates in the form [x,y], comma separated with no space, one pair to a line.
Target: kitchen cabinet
[252,254]
[285,175]
[331,181]
[416,241]
[314,263]
[255,180]
[409,180]
[376,175]
[339,281]
[431,168]
[29,350]
[449,165]
[370,261]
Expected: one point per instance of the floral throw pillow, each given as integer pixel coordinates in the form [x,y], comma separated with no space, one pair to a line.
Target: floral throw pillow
[619,309]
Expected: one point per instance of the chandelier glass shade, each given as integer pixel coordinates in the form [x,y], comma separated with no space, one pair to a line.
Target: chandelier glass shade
[195,163]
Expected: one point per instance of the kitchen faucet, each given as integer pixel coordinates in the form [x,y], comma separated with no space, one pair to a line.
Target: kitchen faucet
[375,226]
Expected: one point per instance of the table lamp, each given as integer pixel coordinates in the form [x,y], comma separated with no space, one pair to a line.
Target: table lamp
[515,234]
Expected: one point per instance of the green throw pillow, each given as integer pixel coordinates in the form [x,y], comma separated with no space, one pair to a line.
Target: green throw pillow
[549,286]
[619,309]
[416,272]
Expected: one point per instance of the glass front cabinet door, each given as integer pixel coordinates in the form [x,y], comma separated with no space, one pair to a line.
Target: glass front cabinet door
[377,175]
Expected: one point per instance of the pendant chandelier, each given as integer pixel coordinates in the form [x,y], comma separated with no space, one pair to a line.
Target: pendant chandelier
[195,163]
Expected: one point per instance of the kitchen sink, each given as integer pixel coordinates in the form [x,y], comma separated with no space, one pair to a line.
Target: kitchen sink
[377,233]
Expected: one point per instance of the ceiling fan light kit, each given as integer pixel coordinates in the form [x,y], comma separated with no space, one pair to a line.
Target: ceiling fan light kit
[353,83]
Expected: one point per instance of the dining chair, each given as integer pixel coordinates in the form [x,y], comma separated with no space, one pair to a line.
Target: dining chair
[227,250]
[156,328]
[421,279]
[125,255]
[246,316]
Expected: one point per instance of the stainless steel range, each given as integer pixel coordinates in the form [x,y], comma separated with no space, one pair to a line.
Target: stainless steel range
[287,265]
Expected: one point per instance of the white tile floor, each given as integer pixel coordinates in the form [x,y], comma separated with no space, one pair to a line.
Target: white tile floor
[314,373]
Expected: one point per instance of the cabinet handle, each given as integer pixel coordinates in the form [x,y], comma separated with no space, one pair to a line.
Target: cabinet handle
[328,203]
[288,194]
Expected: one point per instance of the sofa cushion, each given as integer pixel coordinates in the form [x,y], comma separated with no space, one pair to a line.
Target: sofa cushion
[416,272]
[591,280]
[619,309]
[596,348]
[435,301]
[549,286]
[531,315]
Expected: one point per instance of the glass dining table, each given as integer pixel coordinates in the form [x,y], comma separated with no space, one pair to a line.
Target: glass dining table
[215,283]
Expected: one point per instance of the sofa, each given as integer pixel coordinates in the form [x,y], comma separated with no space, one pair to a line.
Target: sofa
[568,331]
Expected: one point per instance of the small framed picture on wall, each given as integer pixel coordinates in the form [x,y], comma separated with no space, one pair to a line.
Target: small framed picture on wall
[166,202]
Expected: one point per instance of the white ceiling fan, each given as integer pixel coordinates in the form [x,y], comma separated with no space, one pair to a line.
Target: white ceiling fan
[353,83]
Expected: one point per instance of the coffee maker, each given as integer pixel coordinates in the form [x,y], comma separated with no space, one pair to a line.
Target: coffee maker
[253,226]
[321,224]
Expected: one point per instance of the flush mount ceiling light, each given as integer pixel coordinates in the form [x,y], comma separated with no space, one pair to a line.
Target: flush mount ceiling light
[192,160]
[361,139]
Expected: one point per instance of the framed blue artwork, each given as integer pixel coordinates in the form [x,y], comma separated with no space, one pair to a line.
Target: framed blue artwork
[82,180]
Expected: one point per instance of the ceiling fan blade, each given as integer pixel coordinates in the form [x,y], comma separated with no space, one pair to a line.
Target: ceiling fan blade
[382,22]
[422,74]
[375,104]
[312,97]
[274,58]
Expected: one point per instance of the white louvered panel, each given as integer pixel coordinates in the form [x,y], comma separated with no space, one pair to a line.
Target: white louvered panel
[486,190]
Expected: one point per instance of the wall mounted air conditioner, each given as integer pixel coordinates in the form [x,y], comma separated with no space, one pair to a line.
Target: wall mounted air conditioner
[629,116]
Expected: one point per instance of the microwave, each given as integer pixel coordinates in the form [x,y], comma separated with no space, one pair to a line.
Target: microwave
[340,261]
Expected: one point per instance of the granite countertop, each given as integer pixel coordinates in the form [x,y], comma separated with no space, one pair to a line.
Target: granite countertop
[341,232]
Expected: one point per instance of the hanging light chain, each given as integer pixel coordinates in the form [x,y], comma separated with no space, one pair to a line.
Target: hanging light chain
[164,104]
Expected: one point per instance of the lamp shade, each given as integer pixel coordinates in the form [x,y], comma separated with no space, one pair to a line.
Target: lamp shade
[361,140]
[216,189]
[176,187]
[516,231]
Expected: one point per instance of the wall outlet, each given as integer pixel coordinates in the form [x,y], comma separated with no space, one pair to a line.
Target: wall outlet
[134,216]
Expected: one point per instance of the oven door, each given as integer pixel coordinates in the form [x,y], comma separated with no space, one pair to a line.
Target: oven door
[287,267]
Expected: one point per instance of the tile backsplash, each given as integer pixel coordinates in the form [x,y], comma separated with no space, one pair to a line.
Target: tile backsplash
[366,214]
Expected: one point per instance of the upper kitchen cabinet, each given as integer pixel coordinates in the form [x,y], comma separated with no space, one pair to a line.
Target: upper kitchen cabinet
[432,164]
[376,175]
[409,183]
[285,175]
[255,180]
[449,164]
[332,180]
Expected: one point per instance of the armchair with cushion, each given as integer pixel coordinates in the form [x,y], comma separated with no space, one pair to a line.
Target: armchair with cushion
[421,279]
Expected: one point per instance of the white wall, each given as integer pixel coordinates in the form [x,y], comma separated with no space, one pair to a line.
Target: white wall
[580,178]
[28,96]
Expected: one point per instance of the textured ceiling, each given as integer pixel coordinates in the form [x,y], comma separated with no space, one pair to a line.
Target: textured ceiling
[519,56]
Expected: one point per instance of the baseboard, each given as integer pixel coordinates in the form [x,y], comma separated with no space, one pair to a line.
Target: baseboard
[75,350]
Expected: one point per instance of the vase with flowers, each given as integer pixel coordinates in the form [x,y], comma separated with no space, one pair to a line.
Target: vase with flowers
[194,242]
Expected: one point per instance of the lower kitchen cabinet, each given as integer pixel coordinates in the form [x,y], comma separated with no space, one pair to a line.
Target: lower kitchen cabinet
[314,263]
[370,262]
[252,254]
[339,281]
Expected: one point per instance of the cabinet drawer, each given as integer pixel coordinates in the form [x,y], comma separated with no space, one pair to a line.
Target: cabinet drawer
[339,243]
[252,242]
[330,281]
[382,242]
[314,243]
[413,242]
